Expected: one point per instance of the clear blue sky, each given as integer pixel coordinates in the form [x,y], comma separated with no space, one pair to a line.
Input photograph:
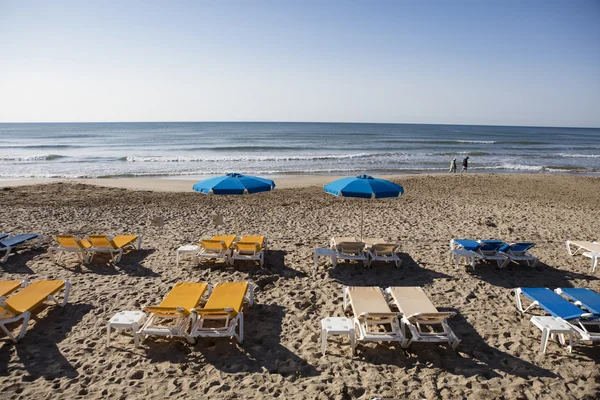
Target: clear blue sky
[473,62]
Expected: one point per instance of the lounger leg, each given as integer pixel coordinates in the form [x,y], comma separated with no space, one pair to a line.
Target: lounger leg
[26,317]
[8,249]
[323,341]
[545,334]
[67,293]
[352,342]
[241,328]
[136,337]
[139,242]
[345,298]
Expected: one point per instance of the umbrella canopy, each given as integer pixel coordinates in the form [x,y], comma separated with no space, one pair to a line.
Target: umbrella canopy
[234,184]
[365,187]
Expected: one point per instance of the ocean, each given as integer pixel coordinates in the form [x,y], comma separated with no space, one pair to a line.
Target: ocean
[191,149]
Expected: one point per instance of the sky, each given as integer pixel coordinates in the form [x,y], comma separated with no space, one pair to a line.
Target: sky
[444,62]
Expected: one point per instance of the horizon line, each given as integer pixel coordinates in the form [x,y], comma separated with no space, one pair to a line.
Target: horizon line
[294,122]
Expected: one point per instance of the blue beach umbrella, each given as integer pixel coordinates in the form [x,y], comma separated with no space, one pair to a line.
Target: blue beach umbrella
[234,184]
[364,187]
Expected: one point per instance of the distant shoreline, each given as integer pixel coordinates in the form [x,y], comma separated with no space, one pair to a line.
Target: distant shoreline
[184,184]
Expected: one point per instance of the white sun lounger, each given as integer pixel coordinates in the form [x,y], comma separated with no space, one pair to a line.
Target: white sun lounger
[348,248]
[421,317]
[381,250]
[373,319]
[585,248]
[223,312]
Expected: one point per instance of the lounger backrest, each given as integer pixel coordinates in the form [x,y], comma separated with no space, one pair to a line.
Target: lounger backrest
[589,246]
[71,242]
[17,240]
[384,248]
[520,247]
[350,247]
[589,299]
[121,241]
[32,296]
[101,241]
[367,299]
[7,287]
[218,243]
[554,304]
[184,295]
[412,300]
[250,244]
[488,246]
[467,244]
[226,295]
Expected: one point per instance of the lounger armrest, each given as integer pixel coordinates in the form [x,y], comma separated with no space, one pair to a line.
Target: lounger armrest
[215,311]
[379,315]
[214,242]
[439,316]
[167,310]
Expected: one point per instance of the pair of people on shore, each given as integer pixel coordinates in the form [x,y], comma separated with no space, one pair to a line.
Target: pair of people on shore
[465,165]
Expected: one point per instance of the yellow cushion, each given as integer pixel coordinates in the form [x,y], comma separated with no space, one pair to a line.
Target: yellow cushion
[7,287]
[32,296]
[101,241]
[250,243]
[124,240]
[215,242]
[227,295]
[184,295]
[71,242]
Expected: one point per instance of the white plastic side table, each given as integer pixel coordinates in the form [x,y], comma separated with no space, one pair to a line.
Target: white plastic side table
[457,254]
[337,326]
[551,326]
[187,249]
[323,252]
[125,320]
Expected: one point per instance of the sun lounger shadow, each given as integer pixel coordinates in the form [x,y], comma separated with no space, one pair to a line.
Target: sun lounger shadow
[542,275]
[261,351]
[17,262]
[472,352]
[38,352]
[131,265]
[411,273]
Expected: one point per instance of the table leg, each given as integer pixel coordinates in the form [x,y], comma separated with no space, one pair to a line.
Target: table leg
[136,339]
[323,340]
[316,260]
[545,334]
[108,335]
[352,342]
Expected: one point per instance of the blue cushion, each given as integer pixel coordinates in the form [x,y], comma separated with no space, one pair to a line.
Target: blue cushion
[17,240]
[555,305]
[519,247]
[3,235]
[467,244]
[490,245]
[587,297]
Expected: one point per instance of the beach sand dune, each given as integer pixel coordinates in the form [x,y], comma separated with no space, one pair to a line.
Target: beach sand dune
[64,353]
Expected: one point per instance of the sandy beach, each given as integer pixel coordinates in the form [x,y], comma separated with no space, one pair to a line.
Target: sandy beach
[64,353]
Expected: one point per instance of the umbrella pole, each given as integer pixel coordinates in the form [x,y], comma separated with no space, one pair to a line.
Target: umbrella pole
[362,214]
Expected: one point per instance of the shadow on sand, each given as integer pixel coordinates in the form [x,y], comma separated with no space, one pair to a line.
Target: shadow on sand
[102,264]
[38,353]
[261,351]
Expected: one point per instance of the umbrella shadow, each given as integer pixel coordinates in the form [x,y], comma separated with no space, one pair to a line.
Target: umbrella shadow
[38,351]
[542,275]
[411,273]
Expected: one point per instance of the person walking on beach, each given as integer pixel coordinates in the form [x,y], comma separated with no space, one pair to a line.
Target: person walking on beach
[452,166]
[465,164]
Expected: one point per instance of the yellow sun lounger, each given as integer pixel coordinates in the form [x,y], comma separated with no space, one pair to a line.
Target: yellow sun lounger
[172,316]
[222,312]
[70,243]
[7,287]
[217,247]
[113,245]
[21,305]
[250,248]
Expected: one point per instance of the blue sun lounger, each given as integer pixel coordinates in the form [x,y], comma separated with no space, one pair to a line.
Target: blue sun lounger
[481,250]
[3,235]
[11,242]
[583,297]
[561,308]
[518,252]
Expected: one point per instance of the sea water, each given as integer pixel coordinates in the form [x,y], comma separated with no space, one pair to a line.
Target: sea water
[185,149]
